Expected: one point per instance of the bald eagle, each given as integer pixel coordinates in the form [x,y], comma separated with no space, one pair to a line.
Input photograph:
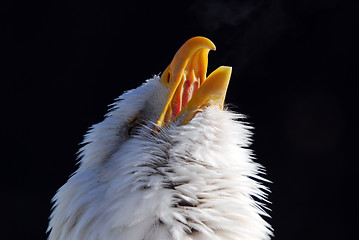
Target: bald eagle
[168,162]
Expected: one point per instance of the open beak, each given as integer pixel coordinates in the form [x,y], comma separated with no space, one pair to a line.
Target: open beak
[189,90]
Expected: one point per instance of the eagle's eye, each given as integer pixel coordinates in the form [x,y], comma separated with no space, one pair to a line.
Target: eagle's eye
[132,126]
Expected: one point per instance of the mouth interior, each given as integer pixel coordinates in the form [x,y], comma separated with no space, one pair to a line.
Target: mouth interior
[192,77]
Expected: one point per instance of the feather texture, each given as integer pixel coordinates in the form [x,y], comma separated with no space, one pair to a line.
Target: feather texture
[195,181]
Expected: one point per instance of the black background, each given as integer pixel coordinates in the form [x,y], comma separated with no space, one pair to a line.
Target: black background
[65,61]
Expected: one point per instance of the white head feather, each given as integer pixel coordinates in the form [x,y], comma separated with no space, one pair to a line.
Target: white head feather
[193,181]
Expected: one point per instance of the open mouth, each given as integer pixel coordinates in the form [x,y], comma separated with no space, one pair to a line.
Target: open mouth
[189,88]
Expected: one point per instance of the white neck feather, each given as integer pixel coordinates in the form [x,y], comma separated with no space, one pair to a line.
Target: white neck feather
[195,181]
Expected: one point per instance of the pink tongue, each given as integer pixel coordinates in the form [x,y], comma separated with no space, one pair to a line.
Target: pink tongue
[189,88]
[178,103]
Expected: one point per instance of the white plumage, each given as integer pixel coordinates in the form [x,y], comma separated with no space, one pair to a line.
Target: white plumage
[193,181]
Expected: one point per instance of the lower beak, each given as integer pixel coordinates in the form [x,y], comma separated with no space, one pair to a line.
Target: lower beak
[189,90]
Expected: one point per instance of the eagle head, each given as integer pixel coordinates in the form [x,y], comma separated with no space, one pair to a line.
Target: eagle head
[167,162]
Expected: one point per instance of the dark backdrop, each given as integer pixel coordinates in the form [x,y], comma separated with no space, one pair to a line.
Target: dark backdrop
[65,61]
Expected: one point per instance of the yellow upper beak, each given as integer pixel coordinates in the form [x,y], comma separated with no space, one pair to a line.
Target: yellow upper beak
[188,88]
